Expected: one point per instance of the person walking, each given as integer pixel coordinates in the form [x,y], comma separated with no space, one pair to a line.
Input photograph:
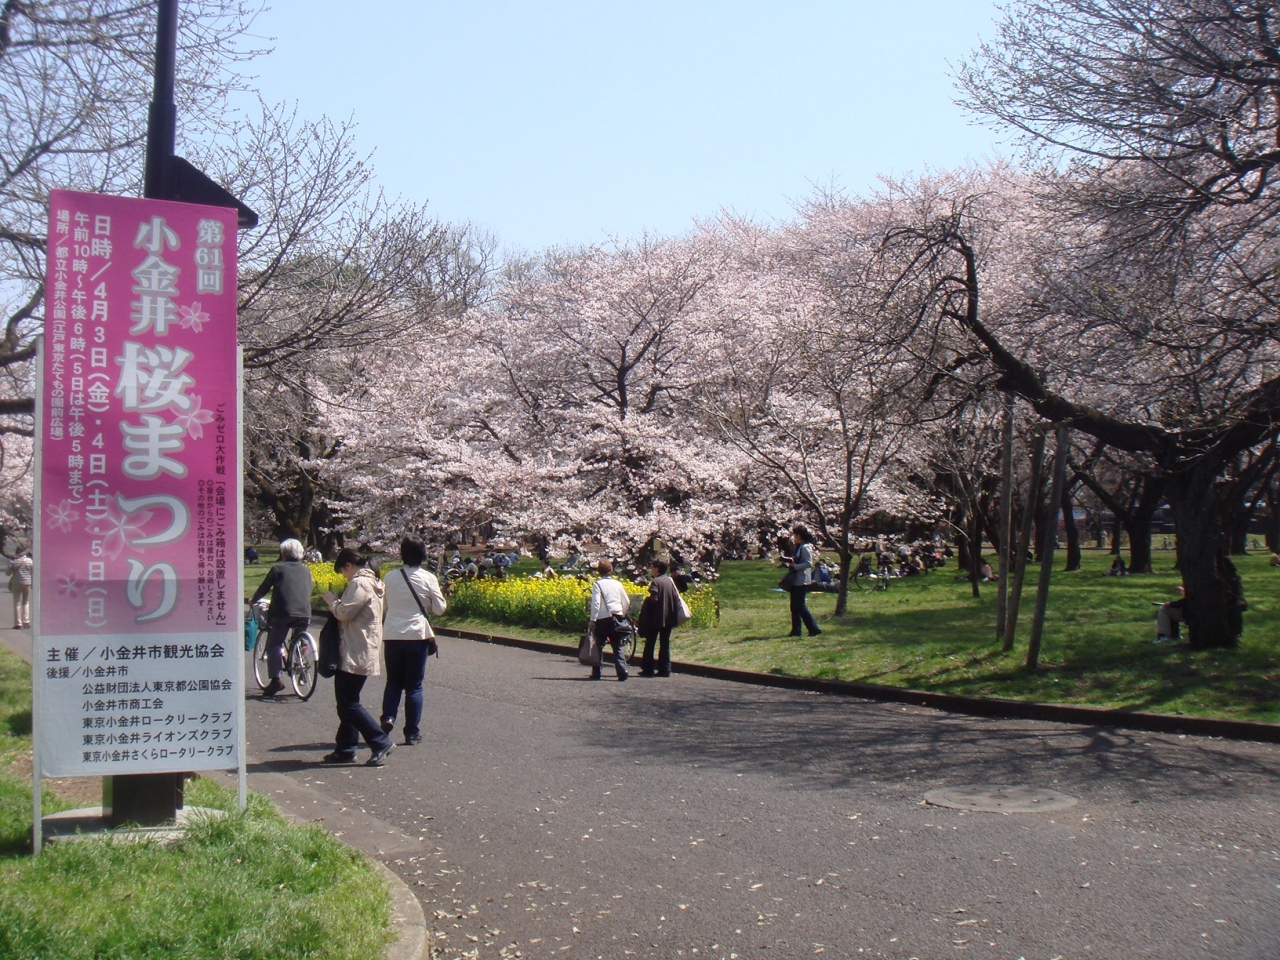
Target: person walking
[658,614]
[20,571]
[290,584]
[608,618]
[797,581]
[407,638]
[359,614]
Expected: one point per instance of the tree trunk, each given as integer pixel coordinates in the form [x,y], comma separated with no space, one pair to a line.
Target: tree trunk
[975,553]
[1139,528]
[1024,542]
[1273,527]
[1214,593]
[846,567]
[1073,533]
[1006,516]
[1047,547]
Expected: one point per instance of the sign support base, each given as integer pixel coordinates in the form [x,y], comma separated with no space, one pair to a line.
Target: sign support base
[145,799]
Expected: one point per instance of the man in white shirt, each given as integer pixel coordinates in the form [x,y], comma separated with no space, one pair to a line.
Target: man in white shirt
[608,615]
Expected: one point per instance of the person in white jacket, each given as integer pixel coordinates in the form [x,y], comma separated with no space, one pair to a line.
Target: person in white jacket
[608,615]
[407,638]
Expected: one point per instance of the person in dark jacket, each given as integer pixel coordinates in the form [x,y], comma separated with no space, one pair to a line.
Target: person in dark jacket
[290,584]
[658,614]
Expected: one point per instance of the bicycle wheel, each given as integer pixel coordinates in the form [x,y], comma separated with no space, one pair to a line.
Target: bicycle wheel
[302,665]
[260,659]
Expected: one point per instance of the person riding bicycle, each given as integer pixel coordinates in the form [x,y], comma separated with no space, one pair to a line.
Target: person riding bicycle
[290,584]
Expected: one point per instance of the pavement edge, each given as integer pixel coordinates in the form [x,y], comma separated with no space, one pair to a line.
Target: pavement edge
[989,707]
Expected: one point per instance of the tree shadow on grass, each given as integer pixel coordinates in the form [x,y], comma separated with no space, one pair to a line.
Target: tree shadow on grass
[18,723]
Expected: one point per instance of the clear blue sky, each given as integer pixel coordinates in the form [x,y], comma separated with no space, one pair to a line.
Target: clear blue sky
[566,122]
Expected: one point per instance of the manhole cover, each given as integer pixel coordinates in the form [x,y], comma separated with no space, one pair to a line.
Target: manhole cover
[994,799]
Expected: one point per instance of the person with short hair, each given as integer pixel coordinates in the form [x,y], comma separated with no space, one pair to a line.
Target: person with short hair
[659,613]
[407,638]
[607,616]
[359,615]
[290,584]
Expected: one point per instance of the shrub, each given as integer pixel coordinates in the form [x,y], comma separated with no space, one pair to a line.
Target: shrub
[559,603]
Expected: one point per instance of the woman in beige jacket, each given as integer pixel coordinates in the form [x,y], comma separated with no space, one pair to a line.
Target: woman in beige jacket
[359,613]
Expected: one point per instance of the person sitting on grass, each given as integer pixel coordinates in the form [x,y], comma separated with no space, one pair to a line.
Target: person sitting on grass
[988,575]
[1118,569]
[1169,616]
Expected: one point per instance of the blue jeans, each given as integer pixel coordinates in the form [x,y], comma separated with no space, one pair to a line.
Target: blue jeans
[354,720]
[406,666]
[800,612]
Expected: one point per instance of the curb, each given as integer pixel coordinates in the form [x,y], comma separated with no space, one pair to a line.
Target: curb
[408,919]
[989,707]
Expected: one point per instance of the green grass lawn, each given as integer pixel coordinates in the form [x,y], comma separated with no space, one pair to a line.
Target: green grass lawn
[929,633]
[246,886]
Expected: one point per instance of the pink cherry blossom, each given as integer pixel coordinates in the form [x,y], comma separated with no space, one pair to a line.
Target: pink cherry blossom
[194,419]
[61,516]
[192,317]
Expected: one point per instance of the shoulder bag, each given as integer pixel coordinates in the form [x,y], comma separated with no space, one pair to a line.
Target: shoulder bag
[433,648]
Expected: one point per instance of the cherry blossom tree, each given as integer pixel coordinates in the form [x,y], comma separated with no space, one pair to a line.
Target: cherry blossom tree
[1163,117]
[797,379]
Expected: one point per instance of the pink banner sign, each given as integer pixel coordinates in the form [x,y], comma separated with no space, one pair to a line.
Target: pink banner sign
[138,620]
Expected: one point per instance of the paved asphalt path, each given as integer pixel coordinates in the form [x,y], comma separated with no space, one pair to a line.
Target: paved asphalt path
[548,816]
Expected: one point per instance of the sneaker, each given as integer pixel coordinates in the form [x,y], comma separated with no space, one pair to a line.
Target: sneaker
[409,741]
[379,756]
[1163,639]
[336,757]
[388,725]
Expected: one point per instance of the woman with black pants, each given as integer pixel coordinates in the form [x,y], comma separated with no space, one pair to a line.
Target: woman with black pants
[801,564]
[658,614]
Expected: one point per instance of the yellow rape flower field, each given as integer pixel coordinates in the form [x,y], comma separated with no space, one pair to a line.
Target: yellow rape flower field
[559,603]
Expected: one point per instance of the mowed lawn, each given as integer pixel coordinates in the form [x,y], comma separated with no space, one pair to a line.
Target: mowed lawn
[929,633]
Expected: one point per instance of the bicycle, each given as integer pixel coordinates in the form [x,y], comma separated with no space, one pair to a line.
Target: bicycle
[300,656]
[876,580]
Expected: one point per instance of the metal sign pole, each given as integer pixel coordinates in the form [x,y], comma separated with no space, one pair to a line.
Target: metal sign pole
[241,746]
[37,814]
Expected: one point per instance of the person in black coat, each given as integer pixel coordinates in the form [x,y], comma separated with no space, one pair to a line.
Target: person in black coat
[658,614]
[290,584]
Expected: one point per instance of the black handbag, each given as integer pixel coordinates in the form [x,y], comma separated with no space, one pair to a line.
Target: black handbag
[329,655]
